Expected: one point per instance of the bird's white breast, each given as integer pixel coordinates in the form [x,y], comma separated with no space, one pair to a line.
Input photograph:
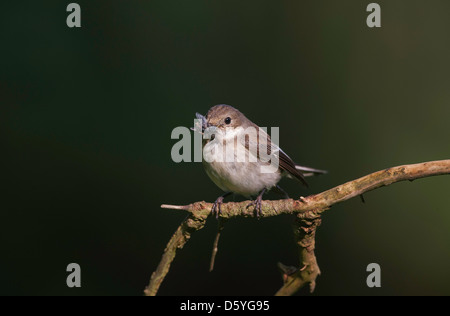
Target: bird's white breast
[232,167]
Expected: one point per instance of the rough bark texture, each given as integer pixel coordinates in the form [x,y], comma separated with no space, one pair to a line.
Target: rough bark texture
[307,211]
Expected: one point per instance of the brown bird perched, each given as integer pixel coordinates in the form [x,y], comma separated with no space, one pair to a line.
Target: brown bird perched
[240,157]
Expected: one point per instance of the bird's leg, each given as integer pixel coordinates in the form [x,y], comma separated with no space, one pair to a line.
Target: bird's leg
[216,210]
[258,203]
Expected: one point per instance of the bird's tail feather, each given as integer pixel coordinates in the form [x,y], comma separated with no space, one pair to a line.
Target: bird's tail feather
[307,171]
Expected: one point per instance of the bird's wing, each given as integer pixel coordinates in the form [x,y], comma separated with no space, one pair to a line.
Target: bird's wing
[285,162]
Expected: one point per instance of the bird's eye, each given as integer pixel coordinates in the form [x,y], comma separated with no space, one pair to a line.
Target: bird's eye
[228,120]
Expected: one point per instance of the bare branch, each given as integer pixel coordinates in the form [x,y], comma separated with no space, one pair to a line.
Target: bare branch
[307,210]
[305,235]
[175,207]
[178,240]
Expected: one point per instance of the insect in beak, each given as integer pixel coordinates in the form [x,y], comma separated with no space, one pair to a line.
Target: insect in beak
[200,126]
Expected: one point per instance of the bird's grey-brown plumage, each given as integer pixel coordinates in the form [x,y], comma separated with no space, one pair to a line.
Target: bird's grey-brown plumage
[244,177]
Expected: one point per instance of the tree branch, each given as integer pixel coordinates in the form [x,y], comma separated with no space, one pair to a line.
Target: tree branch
[307,210]
[178,240]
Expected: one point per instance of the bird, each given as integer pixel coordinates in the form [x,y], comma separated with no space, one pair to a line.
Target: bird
[234,157]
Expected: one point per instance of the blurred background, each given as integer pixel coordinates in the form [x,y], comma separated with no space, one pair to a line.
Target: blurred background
[86,117]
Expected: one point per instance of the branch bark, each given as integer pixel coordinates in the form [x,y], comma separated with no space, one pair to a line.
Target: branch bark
[307,210]
[178,240]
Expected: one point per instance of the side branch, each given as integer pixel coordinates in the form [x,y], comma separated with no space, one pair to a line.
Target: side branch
[295,278]
[178,240]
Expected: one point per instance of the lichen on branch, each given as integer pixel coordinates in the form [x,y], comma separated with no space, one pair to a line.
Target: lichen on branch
[307,210]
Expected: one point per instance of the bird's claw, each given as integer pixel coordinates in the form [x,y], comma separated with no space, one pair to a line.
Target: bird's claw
[216,208]
[257,204]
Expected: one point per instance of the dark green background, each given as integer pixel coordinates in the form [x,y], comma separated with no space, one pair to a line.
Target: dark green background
[86,117]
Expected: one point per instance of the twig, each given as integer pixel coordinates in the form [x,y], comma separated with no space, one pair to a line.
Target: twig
[174,207]
[307,210]
[216,244]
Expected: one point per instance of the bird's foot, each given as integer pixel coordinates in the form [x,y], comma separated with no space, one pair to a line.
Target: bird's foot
[216,209]
[257,204]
